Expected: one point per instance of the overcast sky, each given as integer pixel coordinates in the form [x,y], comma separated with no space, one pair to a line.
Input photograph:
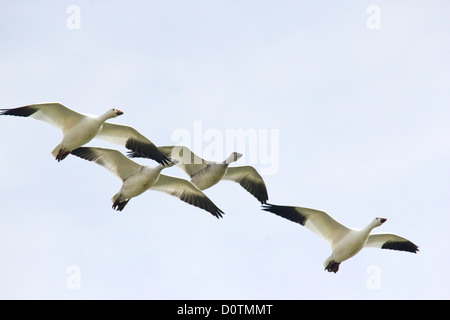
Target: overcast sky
[347,101]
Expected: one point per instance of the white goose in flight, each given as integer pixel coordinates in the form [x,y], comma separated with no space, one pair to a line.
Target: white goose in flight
[204,174]
[137,179]
[79,129]
[345,242]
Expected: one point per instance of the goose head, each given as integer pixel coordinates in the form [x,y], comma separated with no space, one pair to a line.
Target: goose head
[116,112]
[375,223]
[379,221]
[112,113]
[235,156]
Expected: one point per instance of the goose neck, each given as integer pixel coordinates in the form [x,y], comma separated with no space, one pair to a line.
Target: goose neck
[370,227]
[229,160]
[105,116]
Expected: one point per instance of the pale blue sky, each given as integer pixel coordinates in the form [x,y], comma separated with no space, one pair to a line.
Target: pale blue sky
[363,120]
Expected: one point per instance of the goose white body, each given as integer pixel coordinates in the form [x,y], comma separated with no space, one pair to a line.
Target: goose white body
[138,183]
[209,175]
[78,135]
[352,243]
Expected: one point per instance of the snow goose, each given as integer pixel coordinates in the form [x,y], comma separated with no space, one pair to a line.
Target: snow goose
[204,174]
[137,179]
[79,129]
[345,242]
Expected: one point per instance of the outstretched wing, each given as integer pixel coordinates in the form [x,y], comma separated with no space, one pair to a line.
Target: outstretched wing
[319,222]
[133,140]
[250,180]
[391,241]
[53,113]
[112,160]
[187,192]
